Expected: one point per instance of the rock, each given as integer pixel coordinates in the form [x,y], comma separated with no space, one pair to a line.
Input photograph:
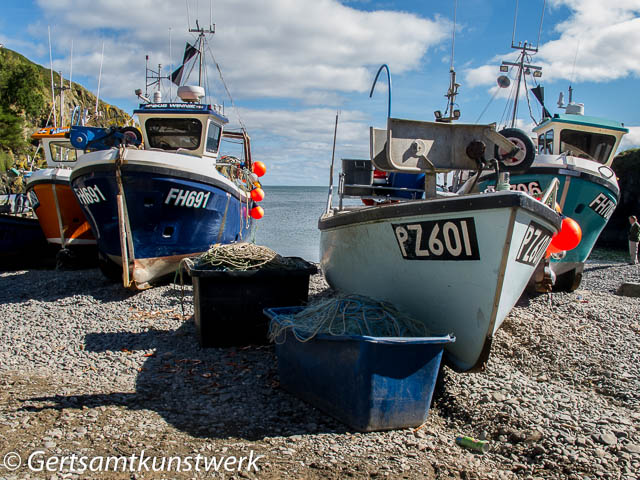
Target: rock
[533,436]
[632,448]
[629,289]
[498,397]
[607,439]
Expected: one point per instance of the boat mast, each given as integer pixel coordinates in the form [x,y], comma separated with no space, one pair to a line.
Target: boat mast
[201,36]
[526,51]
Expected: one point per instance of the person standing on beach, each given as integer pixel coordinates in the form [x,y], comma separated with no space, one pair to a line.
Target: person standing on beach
[634,238]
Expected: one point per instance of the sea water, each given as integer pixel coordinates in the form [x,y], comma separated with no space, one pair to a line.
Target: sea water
[290,222]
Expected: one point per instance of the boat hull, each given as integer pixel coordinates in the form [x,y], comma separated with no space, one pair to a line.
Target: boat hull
[59,213]
[468,288]
[22,243]
[168,213]
[588,193]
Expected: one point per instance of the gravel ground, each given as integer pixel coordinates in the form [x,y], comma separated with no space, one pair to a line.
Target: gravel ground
[89,369]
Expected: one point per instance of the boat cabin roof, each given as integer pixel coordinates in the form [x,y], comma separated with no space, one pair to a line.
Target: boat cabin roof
[50,132]
[163,109]
[583,121]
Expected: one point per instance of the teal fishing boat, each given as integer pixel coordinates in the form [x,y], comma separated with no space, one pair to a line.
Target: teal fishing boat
[576,149]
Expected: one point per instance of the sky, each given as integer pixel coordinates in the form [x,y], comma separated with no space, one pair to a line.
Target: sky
[290,65]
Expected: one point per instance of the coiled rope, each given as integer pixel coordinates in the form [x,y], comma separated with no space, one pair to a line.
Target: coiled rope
[236,256]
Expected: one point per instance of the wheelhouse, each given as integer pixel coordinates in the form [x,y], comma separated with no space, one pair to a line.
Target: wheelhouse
[580,136]
[56,146]
[193,129]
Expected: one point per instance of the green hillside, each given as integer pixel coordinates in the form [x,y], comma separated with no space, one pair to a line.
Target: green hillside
[26,105]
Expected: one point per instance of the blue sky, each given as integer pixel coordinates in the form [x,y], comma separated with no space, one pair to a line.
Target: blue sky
[290,64]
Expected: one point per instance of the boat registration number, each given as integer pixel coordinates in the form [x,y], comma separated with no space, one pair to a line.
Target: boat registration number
[89,194]
[603,206]
[453,239]
[535,242]
[532,188]
[187,198]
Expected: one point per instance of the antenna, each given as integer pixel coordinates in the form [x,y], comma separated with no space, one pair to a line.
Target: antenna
[170,64]
[61,88]
[99,79]
[53,91]
[71,66]
[452,92]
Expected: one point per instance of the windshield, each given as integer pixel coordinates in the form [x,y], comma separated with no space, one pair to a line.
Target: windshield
[174,133]
[593,146]
[62,152]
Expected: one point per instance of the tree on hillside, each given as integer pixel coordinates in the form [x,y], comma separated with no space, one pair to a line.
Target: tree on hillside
[21,90]
[11,134]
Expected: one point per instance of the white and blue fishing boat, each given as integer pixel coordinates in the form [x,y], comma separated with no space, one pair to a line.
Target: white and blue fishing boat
[151,205]
[457,263]
[576,149]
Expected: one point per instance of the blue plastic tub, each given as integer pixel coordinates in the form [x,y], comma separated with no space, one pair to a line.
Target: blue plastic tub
[368,383]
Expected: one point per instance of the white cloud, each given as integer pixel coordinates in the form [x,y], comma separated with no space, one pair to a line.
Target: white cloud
[604,35]
[296,145]
[307,52]
[282,48]
[630,140]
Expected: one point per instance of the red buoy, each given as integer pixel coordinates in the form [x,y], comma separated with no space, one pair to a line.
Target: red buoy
[569,235]
[257,194]
[259,168]
[257,212]
[551,249]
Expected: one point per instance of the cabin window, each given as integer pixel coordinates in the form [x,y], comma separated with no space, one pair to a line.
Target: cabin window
[174,133]
[592,146]
[213,137]
[62,152]
[545,142]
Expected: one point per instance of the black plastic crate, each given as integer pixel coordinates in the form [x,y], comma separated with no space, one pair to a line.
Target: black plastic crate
[357,172]
[228,304]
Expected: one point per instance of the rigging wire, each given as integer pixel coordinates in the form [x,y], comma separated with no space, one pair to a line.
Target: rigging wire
[544,3]
[515,19]
[575,58]
[526,91]
[224,84]
[188,16]
[487,106]
[510,104]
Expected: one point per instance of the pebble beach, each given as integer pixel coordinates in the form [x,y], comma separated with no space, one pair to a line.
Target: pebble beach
[90,369]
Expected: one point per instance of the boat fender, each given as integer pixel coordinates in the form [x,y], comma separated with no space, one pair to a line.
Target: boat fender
[523,159]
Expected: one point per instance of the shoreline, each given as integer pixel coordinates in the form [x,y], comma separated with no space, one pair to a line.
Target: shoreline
[90,368]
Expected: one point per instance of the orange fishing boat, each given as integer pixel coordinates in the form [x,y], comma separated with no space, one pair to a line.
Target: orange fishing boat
[52,199]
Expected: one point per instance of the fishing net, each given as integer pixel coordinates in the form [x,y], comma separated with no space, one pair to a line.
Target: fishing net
[346,315]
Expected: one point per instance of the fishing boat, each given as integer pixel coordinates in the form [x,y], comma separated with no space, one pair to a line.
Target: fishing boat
[49,190]
[458,263]
[151,204]
[576,149]
[22,242]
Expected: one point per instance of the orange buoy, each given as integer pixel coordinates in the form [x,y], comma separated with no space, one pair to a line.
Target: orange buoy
[257,194]
[259,168]
[257,212]
[569,235]
[551,249]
